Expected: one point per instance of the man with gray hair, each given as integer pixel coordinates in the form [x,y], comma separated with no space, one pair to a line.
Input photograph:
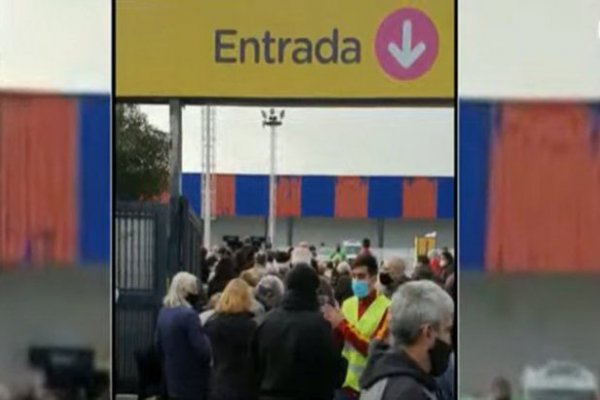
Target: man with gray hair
[392,274]
[421,324]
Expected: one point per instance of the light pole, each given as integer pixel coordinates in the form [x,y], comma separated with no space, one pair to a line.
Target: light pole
[272,120]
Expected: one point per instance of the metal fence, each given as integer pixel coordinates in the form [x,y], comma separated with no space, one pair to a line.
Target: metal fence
[140,276]
[152,243]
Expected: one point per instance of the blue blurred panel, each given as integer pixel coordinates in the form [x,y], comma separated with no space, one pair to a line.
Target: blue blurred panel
[385,197]
[318,196]
[191,189]
[94,179]
[251,195]
[445,198]
[475,129]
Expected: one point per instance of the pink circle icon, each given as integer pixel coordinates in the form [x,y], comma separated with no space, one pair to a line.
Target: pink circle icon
[406,44]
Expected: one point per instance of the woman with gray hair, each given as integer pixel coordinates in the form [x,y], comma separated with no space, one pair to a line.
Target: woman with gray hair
[269,292]
[421,325]
[182,343]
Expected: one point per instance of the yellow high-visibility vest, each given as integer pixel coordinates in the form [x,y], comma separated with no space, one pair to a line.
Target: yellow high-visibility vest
[366,325]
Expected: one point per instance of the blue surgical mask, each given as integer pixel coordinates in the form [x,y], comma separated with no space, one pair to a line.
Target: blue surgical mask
[360,288]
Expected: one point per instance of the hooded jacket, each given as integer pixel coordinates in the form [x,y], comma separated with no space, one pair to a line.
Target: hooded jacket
[392,375]
[293,350]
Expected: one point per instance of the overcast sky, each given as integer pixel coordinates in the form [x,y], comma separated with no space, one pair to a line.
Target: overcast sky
[55,45]
[330,141]
[507,49]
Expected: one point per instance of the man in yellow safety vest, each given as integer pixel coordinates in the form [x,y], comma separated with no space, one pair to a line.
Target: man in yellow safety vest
[362,318]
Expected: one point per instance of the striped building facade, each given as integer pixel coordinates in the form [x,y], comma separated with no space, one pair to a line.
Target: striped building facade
[54,179]
[328,196]
[529,187]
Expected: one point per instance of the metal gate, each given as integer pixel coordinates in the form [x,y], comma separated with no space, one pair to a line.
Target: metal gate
[141,249]
[146,257]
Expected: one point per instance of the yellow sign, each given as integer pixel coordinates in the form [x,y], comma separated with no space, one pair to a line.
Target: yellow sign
[319,49]
[423,245]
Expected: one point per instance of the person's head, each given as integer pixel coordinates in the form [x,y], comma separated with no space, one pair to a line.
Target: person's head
[364,275]
[244,258]
[249,277]
[423,272]
[235,299]
[501,389]
[225,269]
[343,268]
[446,259]
[422,260]
[211,260]
[421,322]
[282,268]
[183,291]
[261,259]
[282,256]
[223,252]
[325,293]
[366,243]
[301,255]
[392,271]
[269,291]
[303,279]
[321,267]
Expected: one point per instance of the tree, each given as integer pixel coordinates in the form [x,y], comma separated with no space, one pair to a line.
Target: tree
[142,155]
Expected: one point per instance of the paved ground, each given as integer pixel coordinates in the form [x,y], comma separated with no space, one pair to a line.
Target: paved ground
[509,322]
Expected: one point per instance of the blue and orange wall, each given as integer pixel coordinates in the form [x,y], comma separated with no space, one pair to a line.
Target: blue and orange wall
[529,187]
[54,179]
[328,196]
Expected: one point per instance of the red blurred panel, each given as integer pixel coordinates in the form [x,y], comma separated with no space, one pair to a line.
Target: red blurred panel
[419,198]
[162,198]
[288,197]
[351,197]
[544,207]
[225,202]
[38,175]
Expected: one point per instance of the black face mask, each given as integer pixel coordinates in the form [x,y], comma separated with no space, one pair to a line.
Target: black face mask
[385,279]
[192,299]
[439,357]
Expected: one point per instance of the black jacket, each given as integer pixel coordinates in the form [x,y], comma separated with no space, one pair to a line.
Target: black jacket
[294,352]
[232,374]
[392,375]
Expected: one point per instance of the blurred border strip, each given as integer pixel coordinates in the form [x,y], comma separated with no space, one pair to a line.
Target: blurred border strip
[54,180]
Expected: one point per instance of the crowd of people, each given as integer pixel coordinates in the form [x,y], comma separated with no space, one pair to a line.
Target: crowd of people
[262,325]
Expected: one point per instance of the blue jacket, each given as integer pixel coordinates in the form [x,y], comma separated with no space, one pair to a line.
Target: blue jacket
[184,350]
